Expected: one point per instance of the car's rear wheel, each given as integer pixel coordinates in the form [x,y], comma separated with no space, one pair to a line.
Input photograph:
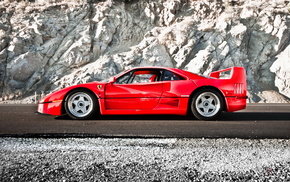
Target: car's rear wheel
[81,104]
[207,104]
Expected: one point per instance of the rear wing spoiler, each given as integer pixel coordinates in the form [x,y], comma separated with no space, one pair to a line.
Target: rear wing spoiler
[236,73]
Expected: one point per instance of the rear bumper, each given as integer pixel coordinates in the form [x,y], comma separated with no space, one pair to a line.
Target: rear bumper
[236,103]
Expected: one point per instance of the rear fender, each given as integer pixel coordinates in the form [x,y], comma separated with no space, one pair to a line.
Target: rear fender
[236,90]
[206,87]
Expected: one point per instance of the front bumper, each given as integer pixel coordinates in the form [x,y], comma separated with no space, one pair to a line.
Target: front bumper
[50,108]
[41,113]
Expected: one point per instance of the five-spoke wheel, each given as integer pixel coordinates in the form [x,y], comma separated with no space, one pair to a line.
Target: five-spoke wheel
[207,104]
[81,104]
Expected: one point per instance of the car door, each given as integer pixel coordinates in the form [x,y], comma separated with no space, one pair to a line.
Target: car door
[136,90]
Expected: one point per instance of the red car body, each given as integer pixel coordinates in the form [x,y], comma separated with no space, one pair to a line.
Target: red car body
[152,90]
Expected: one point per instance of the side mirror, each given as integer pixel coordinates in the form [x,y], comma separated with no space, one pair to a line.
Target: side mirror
[112,80]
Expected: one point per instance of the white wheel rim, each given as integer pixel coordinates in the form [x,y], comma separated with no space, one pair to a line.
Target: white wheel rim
[207,104]
[80,104]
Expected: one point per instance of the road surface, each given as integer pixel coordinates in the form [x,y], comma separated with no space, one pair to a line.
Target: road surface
[257,121]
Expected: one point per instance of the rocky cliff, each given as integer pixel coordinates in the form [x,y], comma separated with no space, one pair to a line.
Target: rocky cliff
[47,45]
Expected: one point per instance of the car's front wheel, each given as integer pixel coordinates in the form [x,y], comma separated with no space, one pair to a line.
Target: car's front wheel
[207,104]
[81,104]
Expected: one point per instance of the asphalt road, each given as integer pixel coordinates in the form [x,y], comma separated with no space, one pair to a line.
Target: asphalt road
[257,121]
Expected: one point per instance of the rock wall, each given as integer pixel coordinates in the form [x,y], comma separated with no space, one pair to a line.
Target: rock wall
[48,45]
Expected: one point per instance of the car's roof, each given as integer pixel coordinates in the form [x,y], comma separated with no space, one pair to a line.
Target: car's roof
[159,67]
[176,70]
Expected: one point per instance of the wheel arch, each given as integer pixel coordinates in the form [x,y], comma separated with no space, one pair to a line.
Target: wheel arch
[74,89]
[202,88]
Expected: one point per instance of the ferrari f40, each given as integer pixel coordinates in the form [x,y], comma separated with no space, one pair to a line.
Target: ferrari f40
[152,90]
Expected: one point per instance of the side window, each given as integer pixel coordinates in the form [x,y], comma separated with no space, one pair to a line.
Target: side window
[145,76]
[169,76]
[139,76]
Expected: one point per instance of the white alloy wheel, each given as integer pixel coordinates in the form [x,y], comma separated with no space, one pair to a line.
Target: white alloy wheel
[207,104]
[80,105]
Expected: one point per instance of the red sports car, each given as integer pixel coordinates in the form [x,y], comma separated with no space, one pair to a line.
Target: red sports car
[152,90]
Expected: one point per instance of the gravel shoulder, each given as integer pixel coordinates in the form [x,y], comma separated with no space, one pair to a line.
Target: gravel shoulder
[98,159]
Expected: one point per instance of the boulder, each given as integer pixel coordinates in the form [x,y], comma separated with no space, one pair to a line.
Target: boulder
[48,45]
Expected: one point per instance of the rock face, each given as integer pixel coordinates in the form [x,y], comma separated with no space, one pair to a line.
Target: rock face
[48,45]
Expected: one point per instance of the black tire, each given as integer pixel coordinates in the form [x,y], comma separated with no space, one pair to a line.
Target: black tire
[207,104]
[81,104]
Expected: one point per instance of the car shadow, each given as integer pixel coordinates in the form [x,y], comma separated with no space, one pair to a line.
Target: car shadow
[255,116]
[133,117]
[225,116]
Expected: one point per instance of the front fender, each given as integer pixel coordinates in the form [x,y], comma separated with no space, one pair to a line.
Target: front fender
[52,104]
